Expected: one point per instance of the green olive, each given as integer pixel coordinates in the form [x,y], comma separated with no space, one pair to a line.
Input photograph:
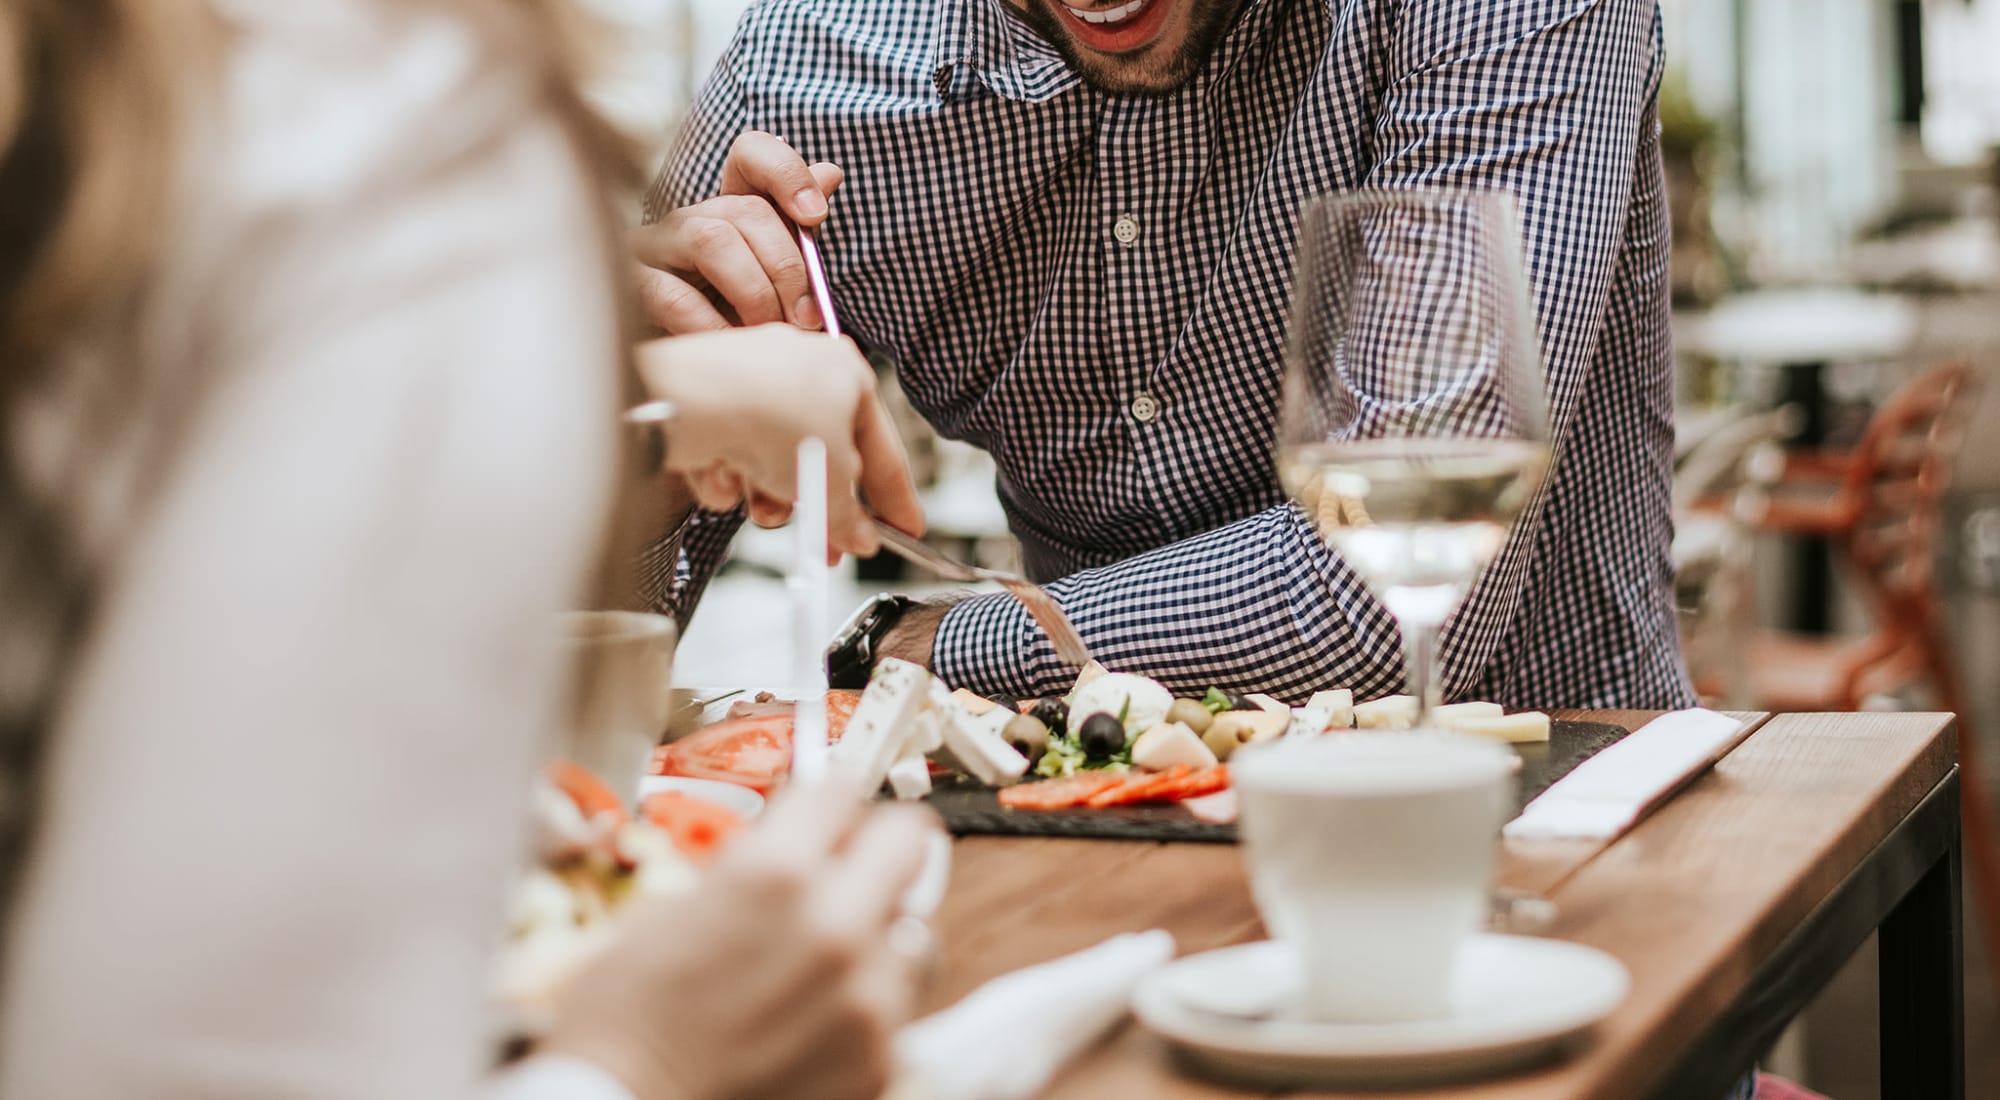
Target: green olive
[1190,713]
[1221,742]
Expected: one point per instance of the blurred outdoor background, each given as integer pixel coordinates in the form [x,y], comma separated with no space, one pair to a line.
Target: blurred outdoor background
[1835,175]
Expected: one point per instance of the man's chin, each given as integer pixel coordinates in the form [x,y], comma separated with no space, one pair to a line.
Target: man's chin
[1135,76]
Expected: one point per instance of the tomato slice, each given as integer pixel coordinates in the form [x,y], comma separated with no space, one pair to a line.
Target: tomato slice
[752,752]
[1058,794]
[592,796]
[840,704]
[1203,781]
[1141,788]
[698,827]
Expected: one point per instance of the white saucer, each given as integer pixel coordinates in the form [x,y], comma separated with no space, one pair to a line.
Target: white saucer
[746,802]
[1516,1001]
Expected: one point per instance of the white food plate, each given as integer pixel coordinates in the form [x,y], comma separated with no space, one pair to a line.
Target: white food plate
[746,802]
[1516,1001]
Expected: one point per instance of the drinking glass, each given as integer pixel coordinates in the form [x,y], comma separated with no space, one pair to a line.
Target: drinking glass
[621,669]
[1414,426]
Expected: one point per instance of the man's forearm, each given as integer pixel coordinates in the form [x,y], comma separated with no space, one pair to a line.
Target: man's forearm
[1260,604]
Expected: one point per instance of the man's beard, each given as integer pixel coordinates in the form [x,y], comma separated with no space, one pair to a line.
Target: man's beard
[1161,76]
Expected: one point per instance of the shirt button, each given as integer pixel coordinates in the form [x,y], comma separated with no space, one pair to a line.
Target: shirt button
[1126,229]
[1145,407]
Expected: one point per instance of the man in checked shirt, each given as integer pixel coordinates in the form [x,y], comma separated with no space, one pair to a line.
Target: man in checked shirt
[1071,226]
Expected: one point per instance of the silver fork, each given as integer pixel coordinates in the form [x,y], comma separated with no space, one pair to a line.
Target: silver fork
[1042,606]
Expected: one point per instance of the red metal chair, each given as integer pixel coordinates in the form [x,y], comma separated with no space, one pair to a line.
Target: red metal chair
[1881,507]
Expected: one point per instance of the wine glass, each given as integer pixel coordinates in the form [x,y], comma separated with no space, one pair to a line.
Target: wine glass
[1414,426]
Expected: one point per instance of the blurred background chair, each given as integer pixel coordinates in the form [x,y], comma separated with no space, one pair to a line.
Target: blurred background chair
[1880,506]
[1713,550]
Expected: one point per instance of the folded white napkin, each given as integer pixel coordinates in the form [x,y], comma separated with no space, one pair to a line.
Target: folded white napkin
[1605,794]
[1007,1038]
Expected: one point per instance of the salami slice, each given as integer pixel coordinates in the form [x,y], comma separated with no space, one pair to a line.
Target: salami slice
[1058,794]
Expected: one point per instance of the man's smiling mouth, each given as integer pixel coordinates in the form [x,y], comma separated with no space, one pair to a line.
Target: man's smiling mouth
[1113,16]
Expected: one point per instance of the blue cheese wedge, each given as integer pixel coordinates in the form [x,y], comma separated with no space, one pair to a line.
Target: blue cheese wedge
[1391,712]
[1325,711]
[883,720]
[1338,705]
[1527,726]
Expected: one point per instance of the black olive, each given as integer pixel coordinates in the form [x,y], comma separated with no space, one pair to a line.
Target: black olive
[1101,735]
[1238,702]
[1051,712]
[1003,701]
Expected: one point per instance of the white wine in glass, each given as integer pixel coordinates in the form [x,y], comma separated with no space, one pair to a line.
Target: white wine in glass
[1414,426]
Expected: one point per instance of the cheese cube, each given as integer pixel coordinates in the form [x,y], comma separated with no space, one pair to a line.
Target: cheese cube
[976,747]
[1391,712]
[1527,726]
[910,778]
[896,697]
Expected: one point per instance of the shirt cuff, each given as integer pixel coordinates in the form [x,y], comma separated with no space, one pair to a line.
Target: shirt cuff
[991,645]
[660,568]
[555,1077]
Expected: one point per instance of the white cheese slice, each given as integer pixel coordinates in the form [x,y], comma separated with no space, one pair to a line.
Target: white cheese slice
[971,702]
[1268,703]
[976,748]
[1164,746]
[1338,704]
[1446,716]
[1140,700]
[1090,672]
[910,778]
[1527,726]
[883,721]
[1391,712]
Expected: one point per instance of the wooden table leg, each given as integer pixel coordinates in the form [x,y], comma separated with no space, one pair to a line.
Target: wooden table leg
[1922,997]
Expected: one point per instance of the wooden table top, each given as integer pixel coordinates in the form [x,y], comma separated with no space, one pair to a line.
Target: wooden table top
[1690,900]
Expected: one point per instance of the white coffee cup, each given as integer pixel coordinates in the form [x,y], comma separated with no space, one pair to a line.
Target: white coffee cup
[1371,854]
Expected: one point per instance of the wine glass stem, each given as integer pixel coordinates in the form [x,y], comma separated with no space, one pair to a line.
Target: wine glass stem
[1420,644]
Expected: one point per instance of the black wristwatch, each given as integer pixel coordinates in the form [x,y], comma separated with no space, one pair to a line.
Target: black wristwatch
[850,660]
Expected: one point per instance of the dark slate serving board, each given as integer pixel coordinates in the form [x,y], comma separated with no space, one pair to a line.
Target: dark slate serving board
[972,810]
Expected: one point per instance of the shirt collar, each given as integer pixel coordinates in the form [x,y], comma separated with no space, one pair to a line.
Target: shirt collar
[980,41]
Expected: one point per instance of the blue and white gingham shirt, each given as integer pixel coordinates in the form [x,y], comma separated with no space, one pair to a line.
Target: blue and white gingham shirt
[1094,288]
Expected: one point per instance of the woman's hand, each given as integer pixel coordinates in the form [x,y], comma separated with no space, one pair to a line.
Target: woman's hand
[743,401]
[776,979]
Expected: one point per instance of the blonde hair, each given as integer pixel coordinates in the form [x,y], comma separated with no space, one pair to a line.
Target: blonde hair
[95,101]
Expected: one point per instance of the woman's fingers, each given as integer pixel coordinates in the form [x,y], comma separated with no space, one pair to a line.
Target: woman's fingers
[674,305]
[717,487]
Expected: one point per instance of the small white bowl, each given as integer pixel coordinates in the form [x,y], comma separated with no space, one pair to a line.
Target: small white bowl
[746,802]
